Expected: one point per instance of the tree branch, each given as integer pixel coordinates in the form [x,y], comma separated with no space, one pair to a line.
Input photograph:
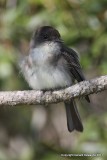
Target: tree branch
[81,89]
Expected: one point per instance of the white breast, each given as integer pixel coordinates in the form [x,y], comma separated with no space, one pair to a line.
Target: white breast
[43,75]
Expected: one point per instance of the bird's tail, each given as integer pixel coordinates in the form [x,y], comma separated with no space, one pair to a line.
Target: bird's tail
[73,117]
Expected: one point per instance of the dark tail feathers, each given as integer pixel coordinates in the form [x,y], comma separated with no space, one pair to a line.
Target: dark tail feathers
[73,118]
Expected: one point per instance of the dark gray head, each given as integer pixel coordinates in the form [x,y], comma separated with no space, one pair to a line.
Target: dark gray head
[45,34]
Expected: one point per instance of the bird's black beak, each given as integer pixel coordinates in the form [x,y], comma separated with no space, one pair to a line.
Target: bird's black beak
[59,40]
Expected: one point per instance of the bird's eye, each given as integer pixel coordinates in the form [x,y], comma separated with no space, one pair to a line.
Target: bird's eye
[45,36]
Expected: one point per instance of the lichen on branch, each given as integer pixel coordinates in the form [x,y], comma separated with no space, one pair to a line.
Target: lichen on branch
[12,98]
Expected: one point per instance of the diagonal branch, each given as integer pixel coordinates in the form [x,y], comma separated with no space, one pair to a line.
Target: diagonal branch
[81,89]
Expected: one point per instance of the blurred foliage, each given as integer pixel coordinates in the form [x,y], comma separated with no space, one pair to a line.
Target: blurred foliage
[30,133]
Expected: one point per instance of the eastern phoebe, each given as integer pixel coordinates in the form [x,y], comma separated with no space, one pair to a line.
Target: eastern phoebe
[50,64]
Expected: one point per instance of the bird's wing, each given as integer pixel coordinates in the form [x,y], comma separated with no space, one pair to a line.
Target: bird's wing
[73,64]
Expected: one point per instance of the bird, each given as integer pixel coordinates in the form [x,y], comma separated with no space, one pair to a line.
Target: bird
[50,64]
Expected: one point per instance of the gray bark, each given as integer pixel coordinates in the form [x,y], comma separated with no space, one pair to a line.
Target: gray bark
[12,98]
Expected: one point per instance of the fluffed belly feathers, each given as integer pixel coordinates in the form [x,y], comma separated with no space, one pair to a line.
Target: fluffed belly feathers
[47,78]
[41,74]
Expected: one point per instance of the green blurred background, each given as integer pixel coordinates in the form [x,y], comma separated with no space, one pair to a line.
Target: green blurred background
[40,133]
